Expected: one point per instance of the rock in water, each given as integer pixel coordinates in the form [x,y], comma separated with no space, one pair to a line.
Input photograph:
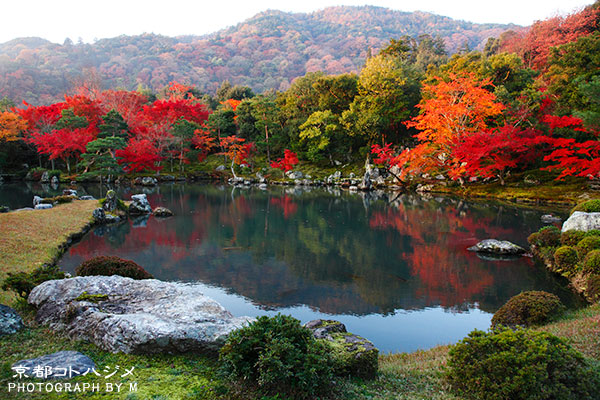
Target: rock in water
[550,219]
[10,321]
[139,205]
[582,221]
[162,212]
[493,246]
[58,365]
[110,202]
[135,316]
[352,354]
[294,175]
[45,177]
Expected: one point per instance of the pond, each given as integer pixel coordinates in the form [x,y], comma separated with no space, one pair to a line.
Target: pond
[393,268]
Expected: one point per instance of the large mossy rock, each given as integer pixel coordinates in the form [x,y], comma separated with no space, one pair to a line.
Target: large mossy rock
[135,316]
[353,355]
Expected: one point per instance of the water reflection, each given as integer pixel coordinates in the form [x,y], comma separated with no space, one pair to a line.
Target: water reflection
[375,261]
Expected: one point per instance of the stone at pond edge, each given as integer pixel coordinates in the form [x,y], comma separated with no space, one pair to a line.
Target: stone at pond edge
[43,206]
[582,221]
[139,205]
[110,202]
[549,219]
[138,316]
[493,246]
[353,355]
[10,321]
[162,212]
[59,363]
[103,218]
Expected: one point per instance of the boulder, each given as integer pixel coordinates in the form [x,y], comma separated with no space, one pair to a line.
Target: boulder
[148,181]
[110,201]
[99,215]
[353,355]
[87,197]
[582,221]
[10,321]
[37,200]
[162,212]
[70,192]
[62,364]
[135,316]
[45,177]
[501,247]
[43,206]
[139,205]
[294,175]
[54,180]
[550,219]
[220,168]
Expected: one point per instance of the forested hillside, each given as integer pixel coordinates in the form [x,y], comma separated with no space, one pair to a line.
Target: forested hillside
[264,52]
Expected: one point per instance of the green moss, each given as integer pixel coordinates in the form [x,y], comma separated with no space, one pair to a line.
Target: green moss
[571,238]
[94,298]
[588,206]
[57,200]
[592,288]
[587,244]
[353,355]
[591,263]
[565,260]
[527,309]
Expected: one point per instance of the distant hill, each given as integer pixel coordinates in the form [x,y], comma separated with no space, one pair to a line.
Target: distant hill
[264,52]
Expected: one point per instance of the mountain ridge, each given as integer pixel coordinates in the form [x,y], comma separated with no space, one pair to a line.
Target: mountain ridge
[265,51]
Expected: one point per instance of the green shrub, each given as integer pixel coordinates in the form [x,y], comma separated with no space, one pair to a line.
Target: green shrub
[278,356]
[587,244]
[112,265]
[571,238]
[592,289]
[520,364]
[548,236]
[591,263]
[528,308]
[53,172]
[565,259]
[588,206]
[23,283]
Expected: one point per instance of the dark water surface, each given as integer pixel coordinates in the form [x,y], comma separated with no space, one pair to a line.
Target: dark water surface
[393,269]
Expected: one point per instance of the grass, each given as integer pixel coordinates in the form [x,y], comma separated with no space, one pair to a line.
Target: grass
[29,239]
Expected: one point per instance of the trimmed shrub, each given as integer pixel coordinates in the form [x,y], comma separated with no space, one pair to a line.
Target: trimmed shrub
[592,290]
[571,238]
[548,236]
[112,265]
[591,263]
[565,259]
[528,308]
[278,356]
[520,364]
[23,283]
[587,206]
[587,244]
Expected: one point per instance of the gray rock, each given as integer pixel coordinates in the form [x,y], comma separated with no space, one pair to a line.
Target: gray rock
[353,355]
[148,181]
[24,209]
[294,175]
[37,200]
[70,192]
[424,188]
[58,365]
[10,321]
[162,212]
[54,180]
[440,177]
[139,205]
[110,201]
[494,246]
[550,219]
[263,186]
[43,206]
[336,175]
[135,316]
[99,215]
[247,182]
[582,221]
[87,197]
[45,177]
[4,209]
[220,168]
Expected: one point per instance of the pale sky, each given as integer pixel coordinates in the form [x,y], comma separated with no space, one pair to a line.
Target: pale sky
[90,20]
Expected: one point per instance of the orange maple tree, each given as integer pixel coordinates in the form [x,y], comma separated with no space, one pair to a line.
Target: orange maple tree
[451,110]
[11,125]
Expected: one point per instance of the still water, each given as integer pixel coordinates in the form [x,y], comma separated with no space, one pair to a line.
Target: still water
[393,268]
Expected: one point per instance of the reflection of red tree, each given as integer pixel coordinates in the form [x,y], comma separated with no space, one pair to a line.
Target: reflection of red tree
[450,274]
[287,204]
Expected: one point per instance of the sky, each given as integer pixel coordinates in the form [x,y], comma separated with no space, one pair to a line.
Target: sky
[92,20]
